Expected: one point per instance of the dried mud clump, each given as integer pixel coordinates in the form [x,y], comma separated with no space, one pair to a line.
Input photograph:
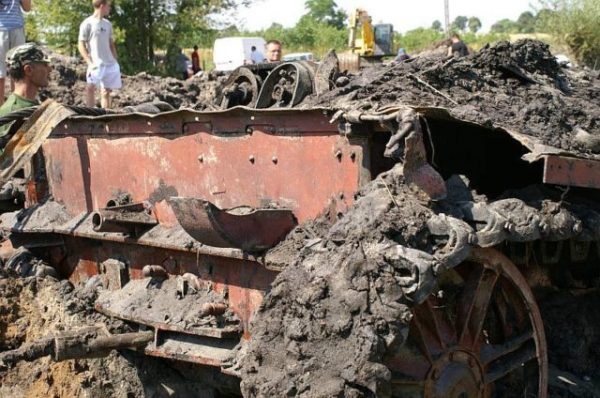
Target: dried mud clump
[331,316]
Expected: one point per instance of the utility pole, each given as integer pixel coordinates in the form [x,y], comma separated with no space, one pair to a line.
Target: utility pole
[447,16]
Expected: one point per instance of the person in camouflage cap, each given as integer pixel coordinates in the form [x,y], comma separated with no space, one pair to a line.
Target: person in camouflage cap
[29,67]
[25,54]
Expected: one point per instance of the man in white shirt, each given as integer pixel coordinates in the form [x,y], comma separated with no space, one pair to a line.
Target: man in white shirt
[97,47]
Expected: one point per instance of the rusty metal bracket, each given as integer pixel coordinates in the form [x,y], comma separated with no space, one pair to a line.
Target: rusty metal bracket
[579,250]
[243,227]
[520,252]
[30,137]
[551,251]
[115,274]
[575,172]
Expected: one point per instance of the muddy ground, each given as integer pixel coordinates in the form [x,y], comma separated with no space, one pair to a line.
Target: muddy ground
[515,86]
[32,308]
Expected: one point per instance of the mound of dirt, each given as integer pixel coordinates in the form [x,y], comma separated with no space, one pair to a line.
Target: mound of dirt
[518,86]
[331,316]
[67,85]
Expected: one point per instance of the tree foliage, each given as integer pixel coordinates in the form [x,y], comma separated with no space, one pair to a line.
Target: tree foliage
[526,22]
[436,25]
[575,23]
[459,23]
[474,24]
[309,34]
[327,12]
[141,26]
[419,39]
[504,26]
[57,22]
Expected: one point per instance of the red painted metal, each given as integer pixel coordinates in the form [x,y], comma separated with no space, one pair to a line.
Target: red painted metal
[247,158]
[576,172]
[245,280]
[240,157]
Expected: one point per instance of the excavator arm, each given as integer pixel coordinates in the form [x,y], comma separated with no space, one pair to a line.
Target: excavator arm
[361,22]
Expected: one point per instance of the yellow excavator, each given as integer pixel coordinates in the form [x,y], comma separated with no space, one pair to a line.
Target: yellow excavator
[367,42]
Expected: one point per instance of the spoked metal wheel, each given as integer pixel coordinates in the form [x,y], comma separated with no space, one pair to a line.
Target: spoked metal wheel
[481,335]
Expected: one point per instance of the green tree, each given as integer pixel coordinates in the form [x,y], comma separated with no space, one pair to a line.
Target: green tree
[459,23]
[141,26]
[542,18]
[420,38]
[474,24]
[575,23]
[436,25]
[326,11]
[504,26]
[526,22]
[56,23]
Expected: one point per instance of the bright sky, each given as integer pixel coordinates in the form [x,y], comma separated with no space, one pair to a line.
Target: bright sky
[403,14]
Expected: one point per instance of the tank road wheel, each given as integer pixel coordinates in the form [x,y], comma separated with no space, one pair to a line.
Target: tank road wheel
[481,335]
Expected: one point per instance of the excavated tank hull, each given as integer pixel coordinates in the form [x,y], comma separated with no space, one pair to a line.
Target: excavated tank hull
[180,215]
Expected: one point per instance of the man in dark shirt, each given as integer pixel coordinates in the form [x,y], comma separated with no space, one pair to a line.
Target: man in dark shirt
[457,47]
[29,68]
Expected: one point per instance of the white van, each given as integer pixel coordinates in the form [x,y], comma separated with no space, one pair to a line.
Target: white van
[231,52]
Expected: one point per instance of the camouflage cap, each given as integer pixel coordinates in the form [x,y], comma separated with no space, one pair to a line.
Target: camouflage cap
[25,54]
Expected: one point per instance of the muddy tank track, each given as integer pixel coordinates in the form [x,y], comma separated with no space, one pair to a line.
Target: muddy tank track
[407,295]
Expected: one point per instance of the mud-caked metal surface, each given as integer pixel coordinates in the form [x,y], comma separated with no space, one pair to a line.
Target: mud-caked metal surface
[233,159]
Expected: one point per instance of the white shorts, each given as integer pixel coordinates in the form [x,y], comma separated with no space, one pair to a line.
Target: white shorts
[105,76]
[9,39]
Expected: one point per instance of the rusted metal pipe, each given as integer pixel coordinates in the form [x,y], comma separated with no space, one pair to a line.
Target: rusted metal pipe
[27,352]
[128,218]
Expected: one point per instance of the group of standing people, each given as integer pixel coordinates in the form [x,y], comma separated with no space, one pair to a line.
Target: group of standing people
[181,63]
[29,67]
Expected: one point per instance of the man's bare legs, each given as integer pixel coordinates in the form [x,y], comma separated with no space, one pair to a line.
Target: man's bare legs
[90,95]
[105,98]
